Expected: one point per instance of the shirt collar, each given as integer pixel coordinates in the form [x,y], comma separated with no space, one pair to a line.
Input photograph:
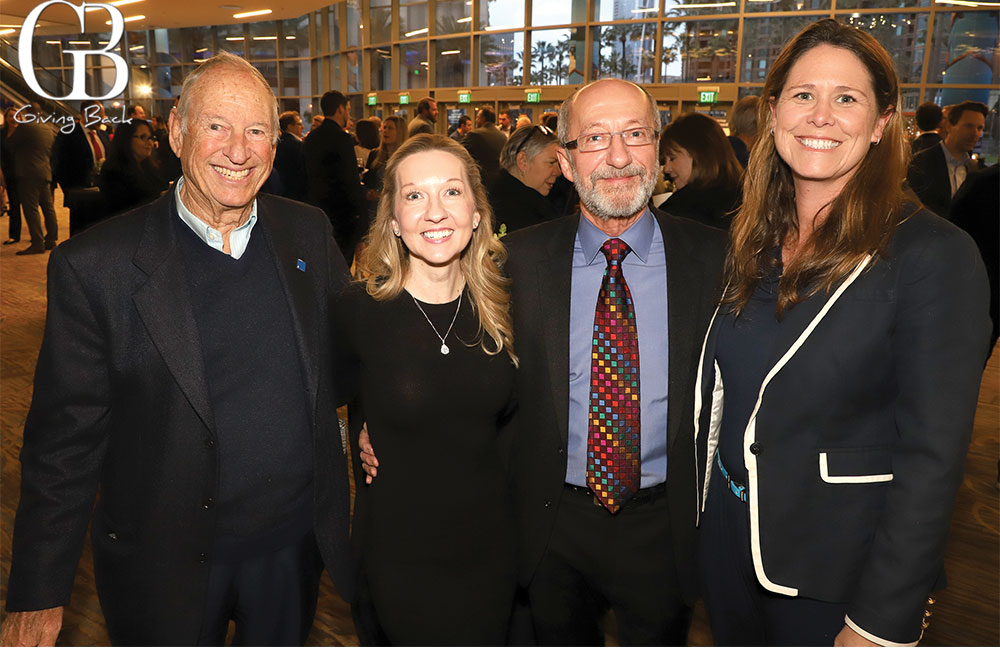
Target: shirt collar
[639,237]
[951,159]
[238,238]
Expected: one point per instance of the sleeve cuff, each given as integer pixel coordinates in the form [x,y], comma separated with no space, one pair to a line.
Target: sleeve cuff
[880,641]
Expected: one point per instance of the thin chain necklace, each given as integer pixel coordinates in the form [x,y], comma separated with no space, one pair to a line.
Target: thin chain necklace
[444,347]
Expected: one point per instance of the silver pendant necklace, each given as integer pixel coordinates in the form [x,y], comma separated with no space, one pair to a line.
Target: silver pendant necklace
[444,347]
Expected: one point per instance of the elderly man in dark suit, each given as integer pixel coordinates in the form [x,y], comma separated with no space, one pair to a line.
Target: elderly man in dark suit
[610,306]
[484,144]
[936,173]
[187,375]
[332,170]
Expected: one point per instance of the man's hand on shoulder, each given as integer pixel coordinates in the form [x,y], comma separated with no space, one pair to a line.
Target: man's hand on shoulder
[33,628]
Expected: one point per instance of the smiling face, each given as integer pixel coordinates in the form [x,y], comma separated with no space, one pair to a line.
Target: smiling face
[615,183]
[434,207]
[142,143]
[826,118]
[227,151]
[678,166]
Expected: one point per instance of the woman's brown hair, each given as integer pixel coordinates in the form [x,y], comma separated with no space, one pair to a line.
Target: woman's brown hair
[713,163]
[858,222]
[384,263]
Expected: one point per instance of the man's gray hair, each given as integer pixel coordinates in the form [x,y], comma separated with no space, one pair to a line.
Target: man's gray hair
[567,106]
[537,143]
[234,62]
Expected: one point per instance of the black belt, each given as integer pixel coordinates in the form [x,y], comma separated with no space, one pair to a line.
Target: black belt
[641,496]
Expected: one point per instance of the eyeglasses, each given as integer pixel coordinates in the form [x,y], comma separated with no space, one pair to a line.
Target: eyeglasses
[642,136]
[538,128]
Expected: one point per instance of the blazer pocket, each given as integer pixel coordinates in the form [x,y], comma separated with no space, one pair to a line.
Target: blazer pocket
[855,466]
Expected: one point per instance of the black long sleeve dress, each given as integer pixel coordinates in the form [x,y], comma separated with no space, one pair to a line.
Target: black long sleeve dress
[436,525]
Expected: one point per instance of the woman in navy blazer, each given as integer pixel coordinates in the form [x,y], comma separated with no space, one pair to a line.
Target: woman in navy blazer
[849,347]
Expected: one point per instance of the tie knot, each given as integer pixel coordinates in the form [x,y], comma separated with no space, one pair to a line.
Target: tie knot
[615,250]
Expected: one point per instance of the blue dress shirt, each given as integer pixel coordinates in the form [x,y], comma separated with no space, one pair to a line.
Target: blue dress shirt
[645,270]
[239,238]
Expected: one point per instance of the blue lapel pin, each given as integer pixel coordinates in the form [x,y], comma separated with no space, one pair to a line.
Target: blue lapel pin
[300,265]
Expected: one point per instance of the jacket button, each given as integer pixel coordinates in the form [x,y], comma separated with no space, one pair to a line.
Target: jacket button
[208,503]
[203,558]
[209,443]
[560,451]
[755,448]
[548,504]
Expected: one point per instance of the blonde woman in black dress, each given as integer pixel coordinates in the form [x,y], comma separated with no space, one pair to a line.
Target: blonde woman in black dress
[430,325]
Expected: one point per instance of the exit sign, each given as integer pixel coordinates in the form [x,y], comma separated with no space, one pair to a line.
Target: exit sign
[404,99]
[464,97]
[372,99]
[708,96]
[533,97]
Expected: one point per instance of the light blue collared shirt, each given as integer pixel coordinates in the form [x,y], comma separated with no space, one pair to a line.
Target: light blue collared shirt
[645,270]
[239,238]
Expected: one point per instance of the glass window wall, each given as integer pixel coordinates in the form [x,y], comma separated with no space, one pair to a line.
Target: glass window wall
[699,50]
[500,14]
[453,16]
[562,13]
[501,59]
[453,62]
[413,65]
[380,59]
[626,51]
[553,56]
[380,21]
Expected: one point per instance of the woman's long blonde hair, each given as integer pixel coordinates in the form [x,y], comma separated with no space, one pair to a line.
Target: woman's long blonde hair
[384,263]
[859,221]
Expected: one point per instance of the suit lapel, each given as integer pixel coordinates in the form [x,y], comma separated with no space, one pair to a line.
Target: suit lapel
[554,280]
[164,305]
[684,296]
[296,269]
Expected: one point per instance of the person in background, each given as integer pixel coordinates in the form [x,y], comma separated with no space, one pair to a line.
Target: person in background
[31,147]
[928,118]
[562,196]
[937,172]
[7,166]
[743,128]
[530,167]
[704,169]
[164,158]
[424,122]
[289,161]
[313,124]
[503,120]
[368,137]
[430,316]
[390,139]
[129,178]
[135,111]
[77,158]
[463,128]
[332,171]
[522,121]
[838,382]
[484,144]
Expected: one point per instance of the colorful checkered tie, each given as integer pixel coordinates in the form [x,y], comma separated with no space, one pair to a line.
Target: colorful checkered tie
[613,471]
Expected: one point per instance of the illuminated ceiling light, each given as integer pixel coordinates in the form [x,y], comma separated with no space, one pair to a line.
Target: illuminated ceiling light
[136,47]
[464,20]
[707,78]
[234,38]
[199,51]
[447,52]
[8,30]
[128,19]
[382,51]
[289,38]
[51,42]
[144,90]
[265,38]
[249,14]
[425,63]
[647,10]
[415,32]
[78,42]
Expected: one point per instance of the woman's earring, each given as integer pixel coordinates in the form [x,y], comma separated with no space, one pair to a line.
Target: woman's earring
[395,231]
[475,225]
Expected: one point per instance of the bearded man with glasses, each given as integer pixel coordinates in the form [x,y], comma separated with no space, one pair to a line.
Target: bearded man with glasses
[610,306]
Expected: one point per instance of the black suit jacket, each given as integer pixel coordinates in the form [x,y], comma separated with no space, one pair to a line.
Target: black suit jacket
[121,406]
[334,181]
[484,145]
[540,265]
[73,161]
[290,163]
[924,141]
[928,177]
[856,452]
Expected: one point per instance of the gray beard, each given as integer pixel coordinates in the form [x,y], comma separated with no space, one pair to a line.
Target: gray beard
[619,204]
